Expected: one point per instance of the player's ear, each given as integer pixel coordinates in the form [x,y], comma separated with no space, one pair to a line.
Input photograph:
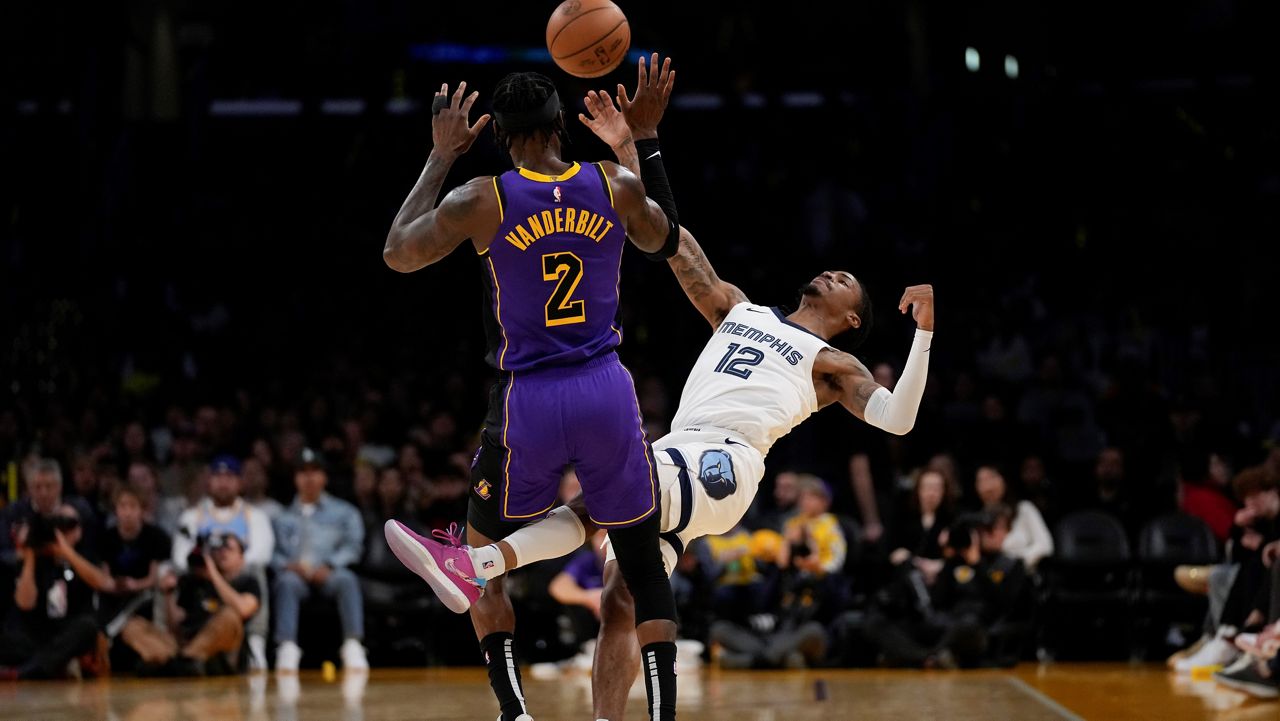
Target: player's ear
[853,319]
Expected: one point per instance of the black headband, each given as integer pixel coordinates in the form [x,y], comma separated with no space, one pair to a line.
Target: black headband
[525,119]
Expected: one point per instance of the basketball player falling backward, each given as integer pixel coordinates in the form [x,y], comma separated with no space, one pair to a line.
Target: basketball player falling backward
[550,235]
[760,375]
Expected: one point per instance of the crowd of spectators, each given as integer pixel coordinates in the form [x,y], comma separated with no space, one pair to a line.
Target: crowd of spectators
[214,538]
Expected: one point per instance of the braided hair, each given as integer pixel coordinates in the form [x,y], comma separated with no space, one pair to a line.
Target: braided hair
[524,92]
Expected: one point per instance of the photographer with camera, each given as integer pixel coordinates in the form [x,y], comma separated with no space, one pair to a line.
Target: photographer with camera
[52,621]
[977,588]
[206,609]
[44,497]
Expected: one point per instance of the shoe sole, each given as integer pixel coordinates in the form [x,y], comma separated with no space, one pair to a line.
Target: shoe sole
[416,559]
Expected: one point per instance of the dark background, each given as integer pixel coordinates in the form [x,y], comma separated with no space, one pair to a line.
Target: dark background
[1110,211]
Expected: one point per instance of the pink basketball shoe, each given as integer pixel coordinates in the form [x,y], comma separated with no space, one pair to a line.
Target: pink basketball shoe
[447,568]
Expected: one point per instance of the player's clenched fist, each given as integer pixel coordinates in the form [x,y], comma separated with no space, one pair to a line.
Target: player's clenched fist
[919,298]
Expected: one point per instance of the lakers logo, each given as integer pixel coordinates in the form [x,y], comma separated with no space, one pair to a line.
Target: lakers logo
[483,489]
[963,574]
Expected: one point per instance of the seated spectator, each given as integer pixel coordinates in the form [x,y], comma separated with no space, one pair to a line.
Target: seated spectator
[317,538]
[777,624]
[978,588]
[224,511]
[52,620]
[735,560]
[145,484]
[818,545]
[132,551]
[1203,496]
[915,536]
[581,583]
[1258,673]
[1028,540]
[1110,491]
[1247,602]
[207,609]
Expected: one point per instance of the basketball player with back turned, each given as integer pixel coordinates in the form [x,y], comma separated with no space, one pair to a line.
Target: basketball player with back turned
[550,235]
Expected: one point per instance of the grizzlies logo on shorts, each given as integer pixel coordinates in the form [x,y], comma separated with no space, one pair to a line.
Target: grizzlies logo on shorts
[715,472]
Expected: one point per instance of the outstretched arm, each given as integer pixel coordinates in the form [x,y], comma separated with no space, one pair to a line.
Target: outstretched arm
[422,234]
[713,297]
[858,391]
[630,128]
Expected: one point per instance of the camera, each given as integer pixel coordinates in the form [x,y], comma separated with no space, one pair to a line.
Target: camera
[960,533]
[205,544]
[41,529]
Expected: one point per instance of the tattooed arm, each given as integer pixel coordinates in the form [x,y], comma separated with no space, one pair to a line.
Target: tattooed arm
[713,298]
[851,381]
[422,234]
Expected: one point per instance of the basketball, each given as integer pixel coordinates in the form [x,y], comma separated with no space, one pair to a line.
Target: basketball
[588,38]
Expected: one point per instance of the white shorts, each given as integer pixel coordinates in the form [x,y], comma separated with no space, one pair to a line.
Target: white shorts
[707,480]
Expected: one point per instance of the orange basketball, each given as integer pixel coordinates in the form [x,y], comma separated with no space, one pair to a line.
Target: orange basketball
[588,38]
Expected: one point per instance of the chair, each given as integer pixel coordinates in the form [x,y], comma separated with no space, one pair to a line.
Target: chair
[1088,586]
[1164,544]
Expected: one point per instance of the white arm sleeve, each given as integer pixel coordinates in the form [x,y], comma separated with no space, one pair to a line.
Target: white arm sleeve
[895,411]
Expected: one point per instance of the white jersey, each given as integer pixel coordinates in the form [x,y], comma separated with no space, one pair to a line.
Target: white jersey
[752,384]
[754,377]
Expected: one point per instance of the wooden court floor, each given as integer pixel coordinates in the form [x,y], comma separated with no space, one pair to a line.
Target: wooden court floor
[1030,693]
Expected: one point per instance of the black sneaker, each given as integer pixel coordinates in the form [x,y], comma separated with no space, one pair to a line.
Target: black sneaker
[184,666]
[1251,680]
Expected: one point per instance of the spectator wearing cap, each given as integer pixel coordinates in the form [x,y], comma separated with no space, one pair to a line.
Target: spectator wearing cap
[818,545]
[318,538]
[225,511]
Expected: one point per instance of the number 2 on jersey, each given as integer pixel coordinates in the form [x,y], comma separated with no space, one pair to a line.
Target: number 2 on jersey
[738,366]
[566,269]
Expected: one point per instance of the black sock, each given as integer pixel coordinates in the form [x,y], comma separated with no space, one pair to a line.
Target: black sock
[658,664]
[504,673]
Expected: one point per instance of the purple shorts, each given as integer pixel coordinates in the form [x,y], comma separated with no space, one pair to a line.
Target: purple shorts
[543,420]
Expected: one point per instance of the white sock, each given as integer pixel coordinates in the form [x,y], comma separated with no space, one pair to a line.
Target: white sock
[488,561]
[559,534]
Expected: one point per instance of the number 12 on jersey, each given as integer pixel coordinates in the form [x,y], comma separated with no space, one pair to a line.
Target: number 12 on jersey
[739,366]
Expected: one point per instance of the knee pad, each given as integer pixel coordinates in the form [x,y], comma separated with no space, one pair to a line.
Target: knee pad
[640,561]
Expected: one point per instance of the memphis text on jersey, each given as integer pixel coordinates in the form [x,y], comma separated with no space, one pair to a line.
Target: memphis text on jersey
[785,349]
[559,220]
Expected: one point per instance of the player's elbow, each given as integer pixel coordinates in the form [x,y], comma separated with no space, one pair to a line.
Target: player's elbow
[395,257]
[901,428]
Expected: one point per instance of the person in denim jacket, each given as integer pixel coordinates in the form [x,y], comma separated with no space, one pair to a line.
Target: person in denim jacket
[318,538]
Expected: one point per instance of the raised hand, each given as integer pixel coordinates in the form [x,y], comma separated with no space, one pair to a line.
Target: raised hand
[604,119]
[450,131]
[653,90]
[919,298]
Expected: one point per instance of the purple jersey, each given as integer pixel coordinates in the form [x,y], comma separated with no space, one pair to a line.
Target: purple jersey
[552,270]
